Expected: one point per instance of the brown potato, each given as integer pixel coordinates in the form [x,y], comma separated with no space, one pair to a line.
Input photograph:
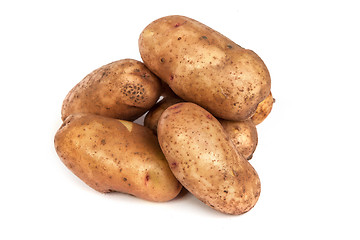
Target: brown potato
[115,155]
[243,134]
[202,66]
[263,109]
[205,161]
[124,89]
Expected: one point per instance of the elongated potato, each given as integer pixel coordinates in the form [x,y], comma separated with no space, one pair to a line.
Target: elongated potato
[205,161]
[202,66]
[263,109]
[243,134]
[115,155]
[124,89]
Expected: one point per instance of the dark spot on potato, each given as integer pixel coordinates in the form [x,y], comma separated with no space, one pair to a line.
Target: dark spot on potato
[173,165]
[179,38]
[229,46]
[147,177]
[177,25]
[225,191]
[171,77]
[162,60]
[204,37]
[134,92]
[209,116]
[125,179]
[103,142]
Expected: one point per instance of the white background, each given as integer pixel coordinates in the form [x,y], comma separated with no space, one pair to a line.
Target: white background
[308,152]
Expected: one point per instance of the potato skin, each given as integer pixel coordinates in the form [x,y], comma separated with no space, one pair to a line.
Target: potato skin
[263,109]
[152,117]
[243,134]
[202,66]
[205,161]
[123,89]
[115,155]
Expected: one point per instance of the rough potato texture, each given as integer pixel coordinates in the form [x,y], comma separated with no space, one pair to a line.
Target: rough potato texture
[263,109]
[115,155]
[205,161]
[243,134]
[152,117]
[202,66]
[124,89]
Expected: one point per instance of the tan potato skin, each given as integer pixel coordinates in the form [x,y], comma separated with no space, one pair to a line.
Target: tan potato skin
[205,161]
[123,89]
[152,117]
[202,66]
[263,109]
[116,155]
[243,134]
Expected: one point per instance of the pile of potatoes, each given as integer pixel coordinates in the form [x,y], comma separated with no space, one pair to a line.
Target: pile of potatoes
[201,134]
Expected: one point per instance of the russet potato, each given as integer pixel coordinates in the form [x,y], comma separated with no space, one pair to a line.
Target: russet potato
[205,161]
[123,89]
[202,66]
[115,155]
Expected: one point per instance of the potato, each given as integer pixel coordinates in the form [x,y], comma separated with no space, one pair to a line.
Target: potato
[115,155]
[205,161]
[202,66]
[263,109]
[243,134]
[152,117]
[124,89]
